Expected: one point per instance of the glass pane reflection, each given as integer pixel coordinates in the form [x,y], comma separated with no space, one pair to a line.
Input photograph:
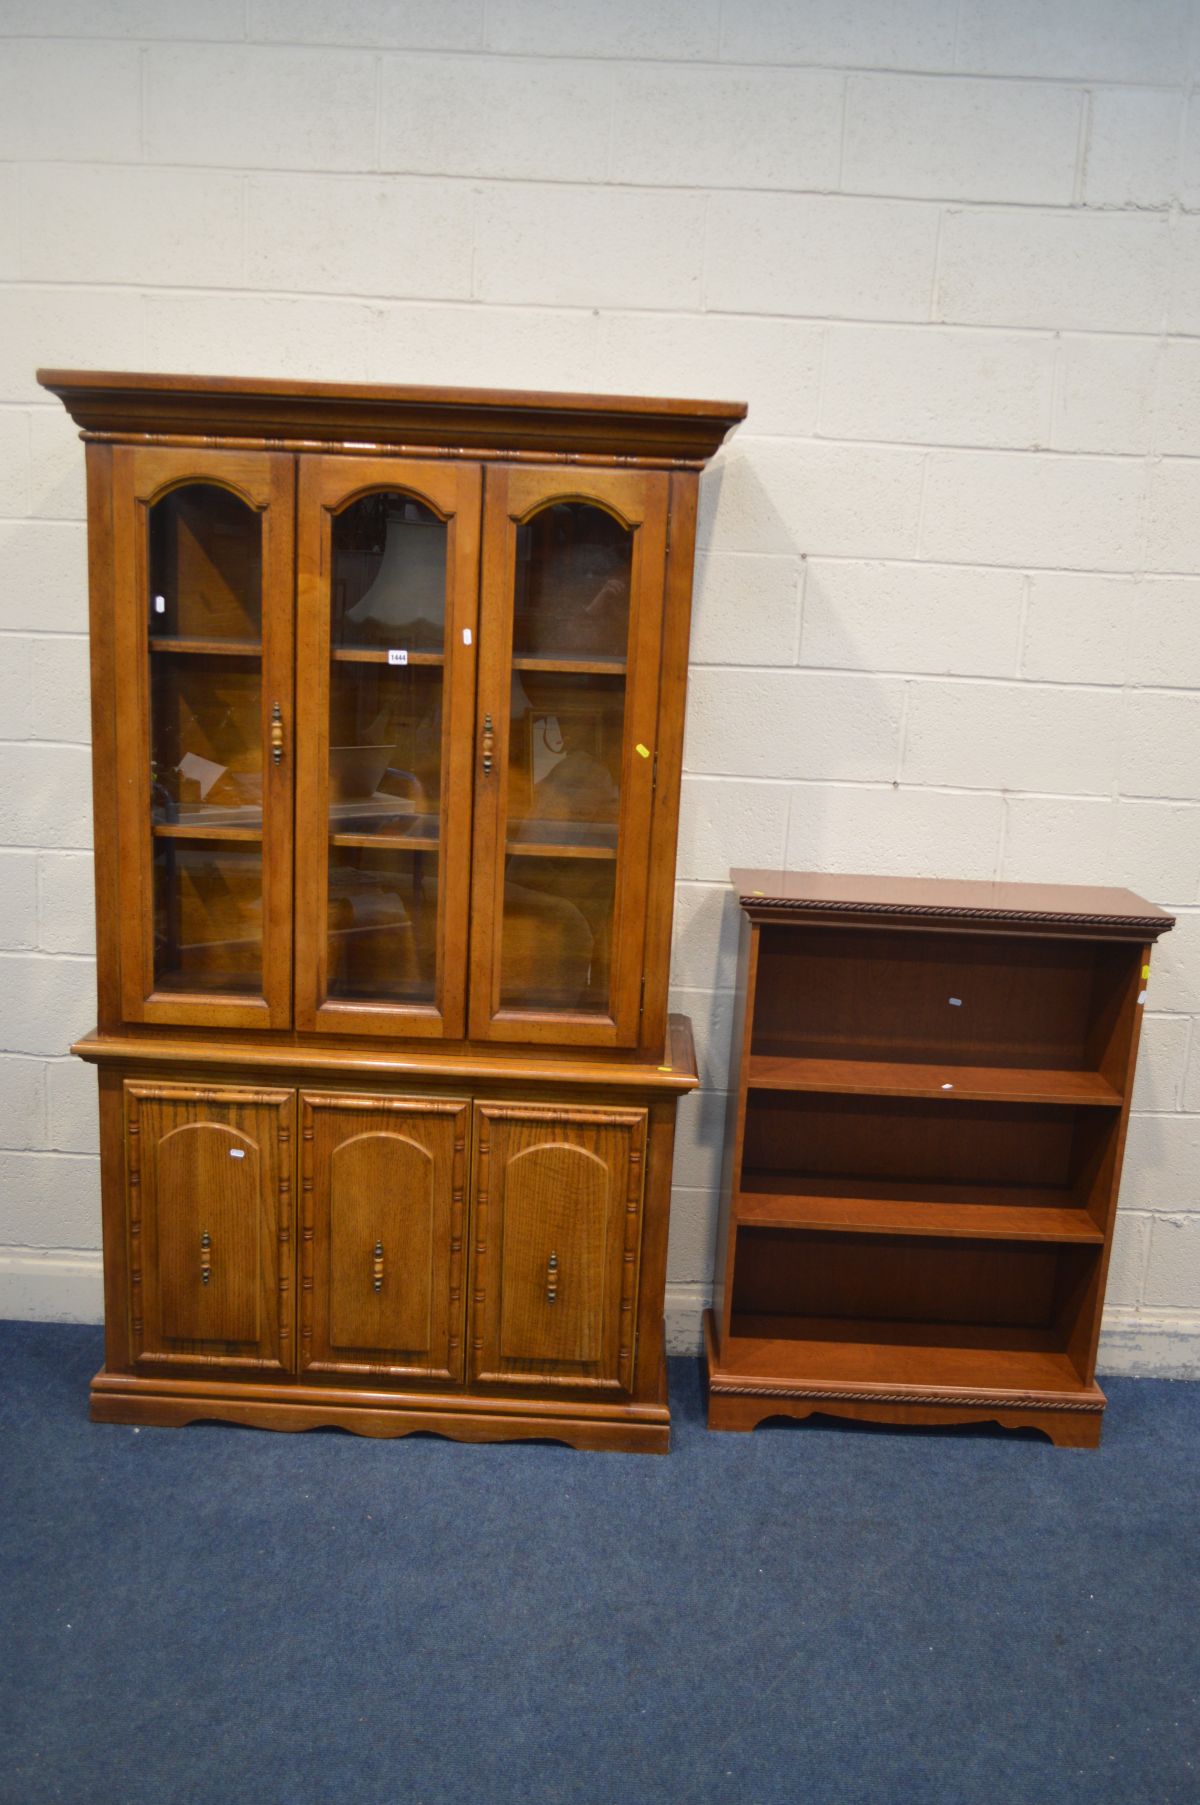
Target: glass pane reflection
[389,574]
[572,583]
[205,566]
[383,906]
[208,916]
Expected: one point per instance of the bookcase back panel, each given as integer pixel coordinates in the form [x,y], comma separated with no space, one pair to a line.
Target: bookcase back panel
[891,1278]
[880,1138]
[965,999]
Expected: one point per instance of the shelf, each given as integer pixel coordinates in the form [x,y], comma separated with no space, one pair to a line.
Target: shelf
[570,667]
[180,830]
[972,1083]
[387,842]
[379,655]
[817,1350]
[967,1212]
[208,648]
[561,840]
[538,849]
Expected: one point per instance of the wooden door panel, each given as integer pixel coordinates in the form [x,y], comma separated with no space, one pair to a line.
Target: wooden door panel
[204,733]
[573,571]
[383,801]
[556,1244]
[210,1255]
[383,1184]
[211,1176]
[552,1257]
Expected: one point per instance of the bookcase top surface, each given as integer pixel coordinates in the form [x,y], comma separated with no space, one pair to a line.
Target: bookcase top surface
[953,901]
[132,404]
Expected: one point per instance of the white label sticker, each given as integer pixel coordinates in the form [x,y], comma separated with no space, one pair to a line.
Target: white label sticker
[395,657]
[956,1002]
[160,604]
[237,1153]
[1141,996]
[947,1087]
[466,636]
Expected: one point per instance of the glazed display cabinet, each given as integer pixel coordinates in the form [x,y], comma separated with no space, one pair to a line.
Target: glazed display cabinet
[388,692]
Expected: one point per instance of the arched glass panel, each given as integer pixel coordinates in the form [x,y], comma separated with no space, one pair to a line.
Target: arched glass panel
[389,574]
[204,620]
[572,583]
[387,636]
[566,742]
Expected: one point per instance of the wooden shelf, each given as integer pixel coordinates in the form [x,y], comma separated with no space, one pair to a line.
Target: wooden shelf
[208,648]
[189,830]
[379,655]
[562,840]
[541,849]
[387,842]
[570,667]
[967,1212]
[885,1078]
[838,1351]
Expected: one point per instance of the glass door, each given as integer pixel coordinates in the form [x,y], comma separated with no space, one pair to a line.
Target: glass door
[388,562]
[203,568]
[573,569]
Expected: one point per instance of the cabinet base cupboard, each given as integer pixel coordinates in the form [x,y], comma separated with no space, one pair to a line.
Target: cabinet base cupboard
[388,695]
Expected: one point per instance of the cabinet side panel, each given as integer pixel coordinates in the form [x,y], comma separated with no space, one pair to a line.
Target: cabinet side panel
[1117,1030]
[735,1121]
[668,749]
[652,1266]
[104,734]
[115,1221]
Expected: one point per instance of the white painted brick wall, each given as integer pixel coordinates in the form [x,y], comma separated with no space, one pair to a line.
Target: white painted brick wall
[948,602]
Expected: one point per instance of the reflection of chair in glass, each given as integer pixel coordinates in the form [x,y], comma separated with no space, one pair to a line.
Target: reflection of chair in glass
[572,582]
[208,915]
[549,944]
[372,944]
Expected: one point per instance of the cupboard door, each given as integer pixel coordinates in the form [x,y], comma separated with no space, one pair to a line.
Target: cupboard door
[209,1176]
[573,570]
[388,573]
[556,1241]
[382,1235]
[203,584]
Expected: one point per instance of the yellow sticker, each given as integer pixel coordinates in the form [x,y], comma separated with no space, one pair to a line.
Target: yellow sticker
[1145,971]
[666,1068]
[642,751]
[756,892]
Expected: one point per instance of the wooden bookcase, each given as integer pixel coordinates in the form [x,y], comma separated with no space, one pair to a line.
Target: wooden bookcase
[928,1107]
[388,690]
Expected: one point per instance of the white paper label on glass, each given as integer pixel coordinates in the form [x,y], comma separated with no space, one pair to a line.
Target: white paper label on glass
[237,1153]
[395,657]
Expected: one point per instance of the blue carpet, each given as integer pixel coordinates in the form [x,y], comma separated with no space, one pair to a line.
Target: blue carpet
[812,1613]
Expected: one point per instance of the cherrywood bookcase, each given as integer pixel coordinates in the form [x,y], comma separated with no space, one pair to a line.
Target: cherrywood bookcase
[388,692]
[928,1105]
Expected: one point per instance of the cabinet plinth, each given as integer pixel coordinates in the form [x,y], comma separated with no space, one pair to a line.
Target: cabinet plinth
[930,1091]
[387,731]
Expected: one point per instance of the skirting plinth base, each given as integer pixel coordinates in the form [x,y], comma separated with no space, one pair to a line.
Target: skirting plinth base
[740,1401]
[642,1428]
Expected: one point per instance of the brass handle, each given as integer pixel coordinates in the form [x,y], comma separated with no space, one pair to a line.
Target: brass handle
[552,1279]
[377,1267]
[205,1258]
[277,734]
[487,745]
